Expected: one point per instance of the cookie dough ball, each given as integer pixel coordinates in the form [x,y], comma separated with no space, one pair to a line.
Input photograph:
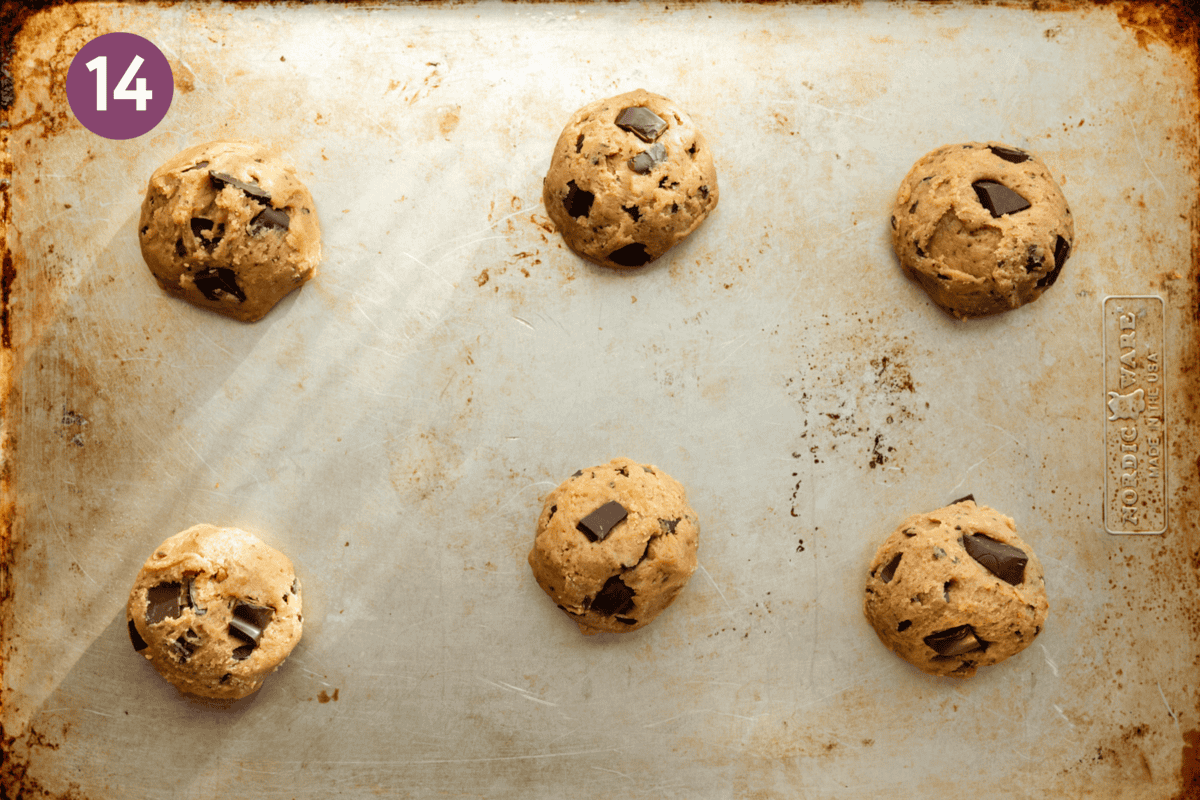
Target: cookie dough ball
[630,178]
[227,226]
[982,227]
[615,545]
[215,610]
[956,589]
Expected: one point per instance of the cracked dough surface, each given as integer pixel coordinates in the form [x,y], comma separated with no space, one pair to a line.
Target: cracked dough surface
[638,569]
[198,582]
[636,216]
[922,581]
[970,262]
[236,248]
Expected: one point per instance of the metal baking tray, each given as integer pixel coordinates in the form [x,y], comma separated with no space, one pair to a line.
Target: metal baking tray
[393,425]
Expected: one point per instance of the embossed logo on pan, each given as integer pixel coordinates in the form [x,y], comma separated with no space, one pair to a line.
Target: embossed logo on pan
[1135,427]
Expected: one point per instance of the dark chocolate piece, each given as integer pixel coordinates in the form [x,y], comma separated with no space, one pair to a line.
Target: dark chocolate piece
[579,143]
[1009,154]
[249,620]
[614,598]
[219,279]
[642,122]
[647,160]
[889,571]
[668,525]
[633,212]
[1002,560]
[553,510]
[190,597]
[1033,259]
[1062,251]
[576,473]
[578,202]
[180,250]
[225,678]
[271,219]
[186,645]
[242,652]
[252,190]
[998,199]
[600,522]
[955,641]
[904,625]
[163,602]
[704,192]
[139,644]
[970,497]
[631,255]
[627,621]
[200,226]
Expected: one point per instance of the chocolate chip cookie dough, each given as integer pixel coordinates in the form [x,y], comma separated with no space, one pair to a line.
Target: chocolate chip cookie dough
[215,610]
[956,589]
[982,227]
[615,545]
[228,226]
[629,179]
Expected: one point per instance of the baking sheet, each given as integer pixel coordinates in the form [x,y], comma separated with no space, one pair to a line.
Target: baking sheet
[393,425]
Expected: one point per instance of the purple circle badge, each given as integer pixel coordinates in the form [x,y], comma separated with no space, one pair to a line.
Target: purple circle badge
[120,85]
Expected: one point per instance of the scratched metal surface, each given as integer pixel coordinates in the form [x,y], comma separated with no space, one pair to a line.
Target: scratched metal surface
[393,425]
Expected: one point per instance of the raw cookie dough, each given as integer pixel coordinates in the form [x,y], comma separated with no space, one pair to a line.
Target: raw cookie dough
[215,610]
[615,545]
[956,589]
[227,226]
[629,179]
[982,227]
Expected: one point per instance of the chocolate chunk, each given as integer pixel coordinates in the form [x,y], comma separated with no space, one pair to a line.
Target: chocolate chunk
[633,212]
[600,522]
[704,191]
[553,509]
[904,625]
[252,190]
[189,597]
[647,160]
[139,644]
[1009,154]
[1062,251]
[1002,560]
[185,645]
[249,620]
[614,598]
[579,144]
[201,226]
[242,652]
[164,601]
[970,497]
[889,571]
[269,218]
[578,201]
[631,255]
[955,641]
[998,198]
[1033,259]
[642,122]
[576,473]
[180,250]
[668,525]
[627,621]
[214,280]
[225,678]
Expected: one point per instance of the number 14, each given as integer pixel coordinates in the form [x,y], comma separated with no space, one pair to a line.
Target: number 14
[141,94]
